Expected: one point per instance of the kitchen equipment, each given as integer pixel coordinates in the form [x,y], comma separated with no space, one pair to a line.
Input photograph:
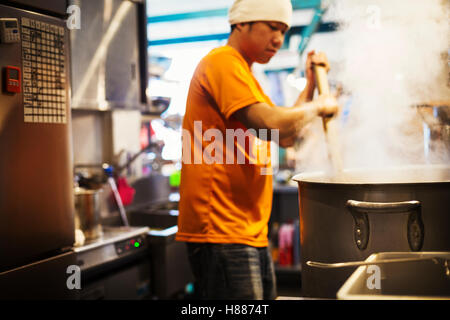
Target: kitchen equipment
[436,129]
[36,191]
[403,275]
[147,148]
[329,124]
[87,210]
[170,267]
[116,265]
[89,176]
[110,173]
[156,207]
[109,54]
[157,106]
[151,190]
[367,211]
[368,262]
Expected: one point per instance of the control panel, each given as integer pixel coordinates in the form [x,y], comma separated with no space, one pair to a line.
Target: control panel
[108,249]
[9,30]
[129,245]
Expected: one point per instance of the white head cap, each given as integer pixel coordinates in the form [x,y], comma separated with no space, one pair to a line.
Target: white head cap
[261,10]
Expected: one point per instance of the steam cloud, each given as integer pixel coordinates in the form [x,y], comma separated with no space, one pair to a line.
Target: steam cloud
[393,57]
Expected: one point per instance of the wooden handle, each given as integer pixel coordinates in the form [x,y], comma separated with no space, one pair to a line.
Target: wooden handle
[323,87]
[329,126]
[321,79]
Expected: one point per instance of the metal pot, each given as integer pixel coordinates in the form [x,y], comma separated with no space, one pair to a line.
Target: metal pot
[87,209]
[365,212]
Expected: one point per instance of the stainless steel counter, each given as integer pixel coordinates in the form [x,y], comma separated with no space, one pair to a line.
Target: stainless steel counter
[116,242]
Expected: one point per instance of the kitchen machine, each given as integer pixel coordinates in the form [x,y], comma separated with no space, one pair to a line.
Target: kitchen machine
[36,191]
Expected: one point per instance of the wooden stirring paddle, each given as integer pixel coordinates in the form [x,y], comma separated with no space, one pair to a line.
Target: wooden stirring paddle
[330,124]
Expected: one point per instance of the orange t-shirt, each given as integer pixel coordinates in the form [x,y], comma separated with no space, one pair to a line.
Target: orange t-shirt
[225,194]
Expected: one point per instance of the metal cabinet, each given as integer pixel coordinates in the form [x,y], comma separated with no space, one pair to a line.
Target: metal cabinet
[109,55]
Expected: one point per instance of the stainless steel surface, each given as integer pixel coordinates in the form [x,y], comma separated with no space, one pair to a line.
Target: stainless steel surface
[87,212]
[383,207]
[105,249]
[115,266]
[360,210]
[36,192]
[92,134]
[112,235]
[366,263]
[404,276]
[123,280]
[436,129]
[331,230]
[376,176]
[105,55]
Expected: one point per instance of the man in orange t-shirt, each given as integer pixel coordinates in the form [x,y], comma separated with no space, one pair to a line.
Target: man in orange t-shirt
[226,181]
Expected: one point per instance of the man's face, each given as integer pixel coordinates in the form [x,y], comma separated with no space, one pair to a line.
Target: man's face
[262,40]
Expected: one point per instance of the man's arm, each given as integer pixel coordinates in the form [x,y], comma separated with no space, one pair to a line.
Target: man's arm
[289,121]
[306,95]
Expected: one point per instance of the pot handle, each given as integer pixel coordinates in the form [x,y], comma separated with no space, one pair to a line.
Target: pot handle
[361,230]
[326,265]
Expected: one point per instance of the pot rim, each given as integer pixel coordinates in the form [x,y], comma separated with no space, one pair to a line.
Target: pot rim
[83,191]
[323,177]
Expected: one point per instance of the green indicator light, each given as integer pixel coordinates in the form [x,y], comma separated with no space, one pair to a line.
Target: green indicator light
[136,244]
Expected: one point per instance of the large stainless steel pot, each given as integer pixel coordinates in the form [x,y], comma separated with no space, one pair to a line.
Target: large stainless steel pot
[369,211]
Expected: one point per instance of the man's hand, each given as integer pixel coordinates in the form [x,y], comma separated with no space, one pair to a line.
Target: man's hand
[315,59]
[320,59]
[326,105]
